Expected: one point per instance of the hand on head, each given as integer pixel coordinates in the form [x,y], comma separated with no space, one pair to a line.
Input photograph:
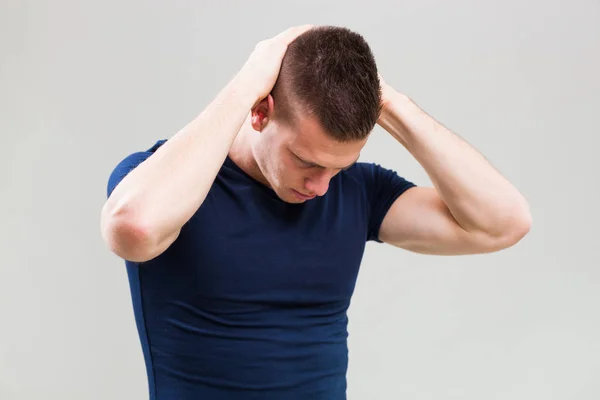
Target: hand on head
[262,68]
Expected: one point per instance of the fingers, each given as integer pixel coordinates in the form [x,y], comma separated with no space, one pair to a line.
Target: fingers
[286,37]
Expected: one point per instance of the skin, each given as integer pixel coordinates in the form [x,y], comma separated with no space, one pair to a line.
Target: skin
[296,160]
[470,209]
[463,213]
[145,212]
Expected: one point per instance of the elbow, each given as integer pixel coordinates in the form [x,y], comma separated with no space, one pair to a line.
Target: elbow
[515,229]
[520,229]
[126,235]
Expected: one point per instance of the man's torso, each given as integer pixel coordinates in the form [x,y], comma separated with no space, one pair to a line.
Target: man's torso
[250,301]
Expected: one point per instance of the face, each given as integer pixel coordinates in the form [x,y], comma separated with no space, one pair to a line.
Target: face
[299,161]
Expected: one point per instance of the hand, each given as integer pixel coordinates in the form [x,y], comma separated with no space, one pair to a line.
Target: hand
[261,70]
[391,100]
[385,92]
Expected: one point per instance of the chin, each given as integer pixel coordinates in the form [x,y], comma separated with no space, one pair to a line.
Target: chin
[288,196]
[299,197]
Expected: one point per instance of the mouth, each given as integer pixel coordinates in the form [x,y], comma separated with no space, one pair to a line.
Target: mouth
[302,196]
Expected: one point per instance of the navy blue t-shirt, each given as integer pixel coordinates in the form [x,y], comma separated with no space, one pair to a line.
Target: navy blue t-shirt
[250,301]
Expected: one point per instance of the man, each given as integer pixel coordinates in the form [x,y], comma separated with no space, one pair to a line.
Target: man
[243,233]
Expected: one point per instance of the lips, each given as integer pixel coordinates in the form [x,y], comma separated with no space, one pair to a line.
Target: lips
[303,196]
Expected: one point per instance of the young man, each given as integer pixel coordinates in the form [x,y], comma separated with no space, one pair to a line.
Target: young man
[243,233]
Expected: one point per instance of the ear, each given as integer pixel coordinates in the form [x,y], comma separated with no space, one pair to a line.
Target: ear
[262,113]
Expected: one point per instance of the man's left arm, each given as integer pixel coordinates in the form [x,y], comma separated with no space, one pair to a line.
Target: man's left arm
[471,209]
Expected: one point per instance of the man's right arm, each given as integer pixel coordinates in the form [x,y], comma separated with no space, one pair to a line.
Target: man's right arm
[147,209]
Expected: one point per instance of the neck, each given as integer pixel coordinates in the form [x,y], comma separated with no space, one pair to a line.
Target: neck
[242,154]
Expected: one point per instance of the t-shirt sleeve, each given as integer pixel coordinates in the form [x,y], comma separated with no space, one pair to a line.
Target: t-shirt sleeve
[383,187]
[127,165]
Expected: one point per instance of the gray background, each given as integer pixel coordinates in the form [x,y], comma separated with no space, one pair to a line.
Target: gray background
[85,83]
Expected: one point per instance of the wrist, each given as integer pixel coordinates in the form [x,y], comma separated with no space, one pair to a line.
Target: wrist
[242,87]
[392,101]
[395,114]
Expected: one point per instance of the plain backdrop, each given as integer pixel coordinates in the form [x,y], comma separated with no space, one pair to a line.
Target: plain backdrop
[83,84]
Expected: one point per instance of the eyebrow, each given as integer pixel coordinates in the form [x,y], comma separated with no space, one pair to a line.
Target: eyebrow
[320,166]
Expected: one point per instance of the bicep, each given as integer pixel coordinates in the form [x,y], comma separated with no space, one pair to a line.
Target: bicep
[420,221]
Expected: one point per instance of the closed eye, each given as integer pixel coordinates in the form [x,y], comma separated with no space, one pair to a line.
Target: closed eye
[304,164]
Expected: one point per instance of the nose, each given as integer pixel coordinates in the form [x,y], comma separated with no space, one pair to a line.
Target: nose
[318,184]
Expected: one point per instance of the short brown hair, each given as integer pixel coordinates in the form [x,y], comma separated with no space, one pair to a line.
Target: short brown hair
[330,73]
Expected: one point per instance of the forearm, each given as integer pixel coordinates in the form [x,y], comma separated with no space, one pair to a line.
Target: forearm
[159,196]
[477,195]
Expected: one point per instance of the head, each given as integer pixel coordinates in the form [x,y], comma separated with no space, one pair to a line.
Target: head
[318,117]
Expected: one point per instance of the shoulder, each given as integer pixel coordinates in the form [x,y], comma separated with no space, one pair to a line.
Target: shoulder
[375,183]
[360,172]
[372,176]
[381,187]
[128,163]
